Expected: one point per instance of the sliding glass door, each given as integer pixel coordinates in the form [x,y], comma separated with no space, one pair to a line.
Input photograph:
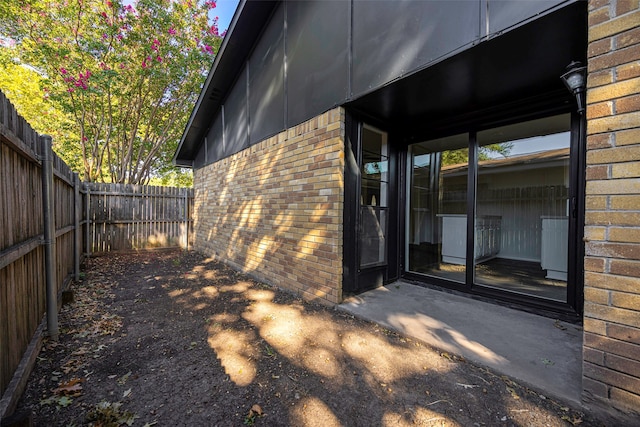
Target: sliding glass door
[517,198]
[522,208]
[437,212]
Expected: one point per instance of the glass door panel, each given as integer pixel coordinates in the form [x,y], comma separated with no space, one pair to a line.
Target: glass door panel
[373,198]
[437,207]
[522,207]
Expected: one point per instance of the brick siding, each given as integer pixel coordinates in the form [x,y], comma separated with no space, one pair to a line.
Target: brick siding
[611,358]
[274,210]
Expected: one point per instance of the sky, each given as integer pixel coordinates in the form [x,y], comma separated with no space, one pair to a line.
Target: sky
[224,11]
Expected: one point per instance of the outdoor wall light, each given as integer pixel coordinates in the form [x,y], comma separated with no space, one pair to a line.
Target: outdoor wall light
[576,81]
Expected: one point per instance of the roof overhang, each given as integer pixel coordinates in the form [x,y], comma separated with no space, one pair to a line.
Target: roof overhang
[245,27]
[522,63]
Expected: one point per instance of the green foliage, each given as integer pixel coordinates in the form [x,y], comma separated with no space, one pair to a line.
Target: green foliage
[455,157]
[486,152]
[490,151]
[173,177]
[128,76]
[24,87]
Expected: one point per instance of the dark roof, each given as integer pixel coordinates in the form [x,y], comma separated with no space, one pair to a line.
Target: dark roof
[542,158]
[245,27]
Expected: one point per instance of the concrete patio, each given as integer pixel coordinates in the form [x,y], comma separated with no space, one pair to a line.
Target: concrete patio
[539,351]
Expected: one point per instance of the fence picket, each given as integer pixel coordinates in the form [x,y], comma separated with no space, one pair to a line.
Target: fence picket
[115,217]
[131,217]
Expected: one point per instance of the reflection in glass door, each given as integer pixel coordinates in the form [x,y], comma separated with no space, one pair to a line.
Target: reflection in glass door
[437,207]
[520,214]
[522,208]
[374,198]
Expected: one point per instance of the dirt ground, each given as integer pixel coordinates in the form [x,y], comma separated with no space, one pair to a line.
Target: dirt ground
[172,338]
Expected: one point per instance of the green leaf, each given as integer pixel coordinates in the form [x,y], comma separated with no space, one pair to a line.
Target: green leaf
[64,401]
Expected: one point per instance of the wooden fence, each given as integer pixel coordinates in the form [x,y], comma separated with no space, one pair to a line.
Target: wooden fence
[126,217]
[31,237]
[48,221]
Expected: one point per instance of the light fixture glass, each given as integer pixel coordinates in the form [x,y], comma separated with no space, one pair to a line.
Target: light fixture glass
[575,79]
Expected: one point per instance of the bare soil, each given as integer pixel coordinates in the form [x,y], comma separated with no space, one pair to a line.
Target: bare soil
[172,338]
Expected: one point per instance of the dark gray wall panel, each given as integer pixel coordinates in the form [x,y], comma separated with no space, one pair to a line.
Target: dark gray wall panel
[317,57]
[388,41]
[505,13]
[201,157]
[235,117]
[391,39]
[215,142]
[266,81]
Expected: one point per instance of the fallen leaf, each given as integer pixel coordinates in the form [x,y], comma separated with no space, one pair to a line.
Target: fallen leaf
[64,401]
[255,411]
[547,362]
[71,387]
[559,326]
[123,379]
[126,393]
[513,393]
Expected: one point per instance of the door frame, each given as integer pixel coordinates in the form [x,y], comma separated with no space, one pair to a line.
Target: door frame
[570,310]
[356,279]
[400,136]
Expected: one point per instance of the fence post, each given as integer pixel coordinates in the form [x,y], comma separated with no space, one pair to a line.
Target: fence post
[77,242]
[186,217]
[87,222]
[49,237]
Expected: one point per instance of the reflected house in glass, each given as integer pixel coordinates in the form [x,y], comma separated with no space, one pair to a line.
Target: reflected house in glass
[333,154]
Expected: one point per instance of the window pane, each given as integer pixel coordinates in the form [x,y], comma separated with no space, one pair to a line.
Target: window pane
[436,216]
[372,236]
[373,198]
[522,207]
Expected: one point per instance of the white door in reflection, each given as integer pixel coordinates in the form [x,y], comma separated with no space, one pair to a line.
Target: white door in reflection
[436,217]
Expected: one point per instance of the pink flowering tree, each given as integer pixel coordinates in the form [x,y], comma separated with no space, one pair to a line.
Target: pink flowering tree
[128,73]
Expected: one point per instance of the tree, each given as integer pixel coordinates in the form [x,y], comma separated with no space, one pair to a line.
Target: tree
[24,87]
[485,152]
[127,74]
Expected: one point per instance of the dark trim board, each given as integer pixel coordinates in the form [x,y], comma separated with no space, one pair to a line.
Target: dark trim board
[355,281]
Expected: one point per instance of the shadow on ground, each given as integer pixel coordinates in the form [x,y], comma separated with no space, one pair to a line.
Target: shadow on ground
[173,338]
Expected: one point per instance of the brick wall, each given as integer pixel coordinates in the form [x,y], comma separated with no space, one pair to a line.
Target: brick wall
[275,209]
[611,367]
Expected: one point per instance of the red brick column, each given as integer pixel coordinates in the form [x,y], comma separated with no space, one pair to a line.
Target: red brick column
[611,365]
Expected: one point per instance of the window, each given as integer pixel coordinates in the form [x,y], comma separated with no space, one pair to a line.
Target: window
[373,197]
[522,208]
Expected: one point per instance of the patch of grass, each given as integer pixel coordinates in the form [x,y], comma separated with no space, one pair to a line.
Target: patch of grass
[269,351]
